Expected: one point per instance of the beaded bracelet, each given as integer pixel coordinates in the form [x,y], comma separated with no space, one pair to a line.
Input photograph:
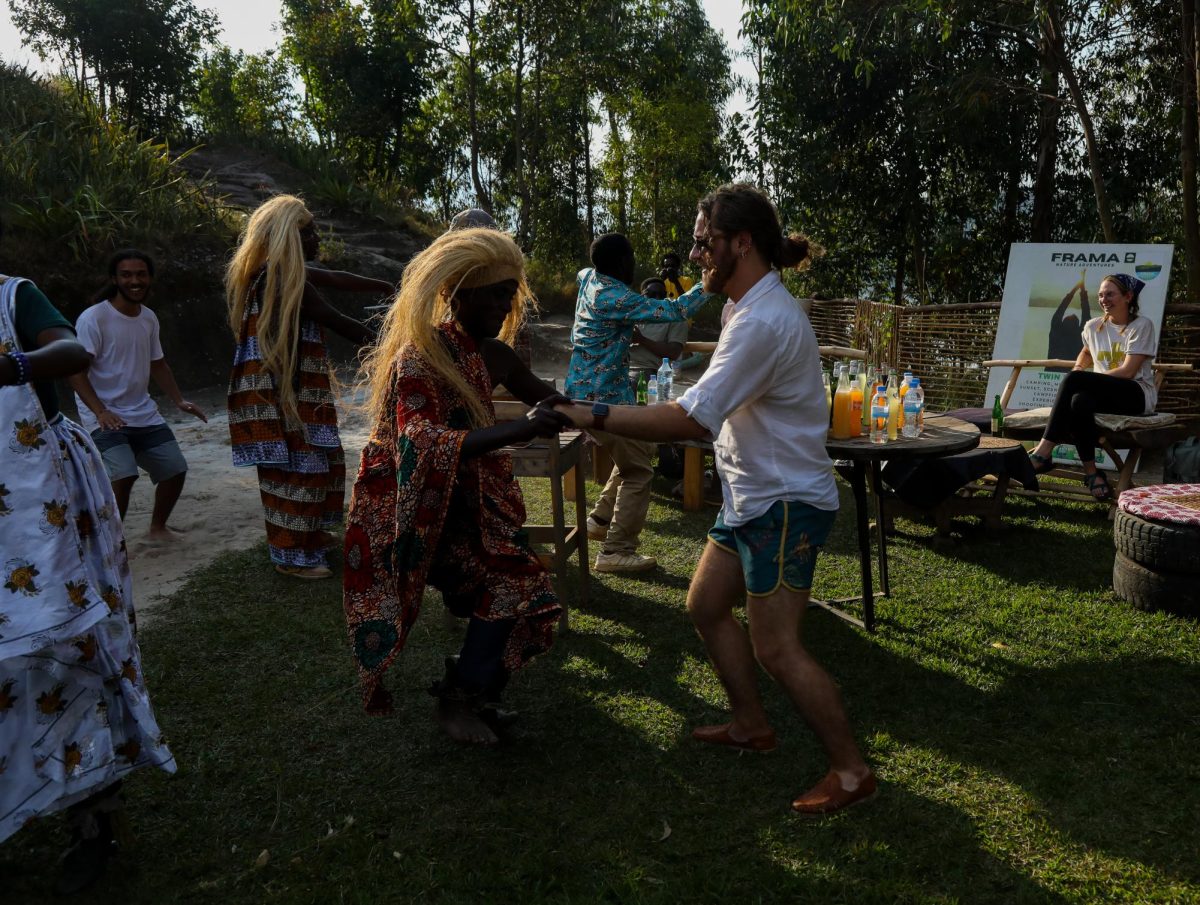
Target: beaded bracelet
[21,363]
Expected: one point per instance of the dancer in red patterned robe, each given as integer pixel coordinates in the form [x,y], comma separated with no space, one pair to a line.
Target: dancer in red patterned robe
[435,502]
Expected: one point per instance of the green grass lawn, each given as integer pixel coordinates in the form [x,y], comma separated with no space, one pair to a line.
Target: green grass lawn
[1037,741]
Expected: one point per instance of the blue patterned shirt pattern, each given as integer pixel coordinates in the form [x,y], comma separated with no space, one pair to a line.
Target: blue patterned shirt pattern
[606,311]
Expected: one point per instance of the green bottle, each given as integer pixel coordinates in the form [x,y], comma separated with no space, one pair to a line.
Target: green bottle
[997,418]
[641,388]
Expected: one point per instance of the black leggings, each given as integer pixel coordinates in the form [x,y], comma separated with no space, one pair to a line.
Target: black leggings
[1083,394]
[481,662]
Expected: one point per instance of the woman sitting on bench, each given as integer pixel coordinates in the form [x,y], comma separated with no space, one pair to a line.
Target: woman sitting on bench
[1119,348]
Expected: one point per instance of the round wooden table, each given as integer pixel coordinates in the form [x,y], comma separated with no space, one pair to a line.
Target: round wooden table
[942,436]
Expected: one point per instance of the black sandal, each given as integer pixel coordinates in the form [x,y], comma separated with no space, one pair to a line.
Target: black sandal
[1041,464]
[1098,484]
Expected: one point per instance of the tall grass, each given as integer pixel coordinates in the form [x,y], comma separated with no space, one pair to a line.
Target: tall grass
[75,183]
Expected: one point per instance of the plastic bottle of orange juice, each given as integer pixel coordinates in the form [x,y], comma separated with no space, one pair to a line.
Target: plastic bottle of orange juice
[841,407]
[908,375]
[856,403]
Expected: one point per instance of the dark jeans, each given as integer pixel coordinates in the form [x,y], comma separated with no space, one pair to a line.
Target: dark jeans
[1080,396]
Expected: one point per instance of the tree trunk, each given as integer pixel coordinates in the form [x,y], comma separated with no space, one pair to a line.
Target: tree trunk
[481,196]
[901,266]
[1187,150]
[622,181]
[1042,226]
[585,136]
[1052,29]
[519,133]
[760,125]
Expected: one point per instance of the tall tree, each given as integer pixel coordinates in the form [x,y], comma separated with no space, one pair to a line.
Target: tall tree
[138,57]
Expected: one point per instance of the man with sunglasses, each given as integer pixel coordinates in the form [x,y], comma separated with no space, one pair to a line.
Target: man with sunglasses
[606,313]
[762,400]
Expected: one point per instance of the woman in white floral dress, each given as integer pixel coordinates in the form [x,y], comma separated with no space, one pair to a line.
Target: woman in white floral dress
[75,716]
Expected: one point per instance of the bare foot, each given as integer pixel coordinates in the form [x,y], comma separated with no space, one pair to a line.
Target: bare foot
[164,534]
[460,721]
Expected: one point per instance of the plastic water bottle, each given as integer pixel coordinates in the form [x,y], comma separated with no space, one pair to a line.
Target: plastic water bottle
[666,378]
[914,404]
[652,390]
[879,415]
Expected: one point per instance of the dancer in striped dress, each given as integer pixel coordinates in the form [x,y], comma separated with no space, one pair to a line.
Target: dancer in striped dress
[282,418]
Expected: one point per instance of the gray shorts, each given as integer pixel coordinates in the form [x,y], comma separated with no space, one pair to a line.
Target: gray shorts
[153,448]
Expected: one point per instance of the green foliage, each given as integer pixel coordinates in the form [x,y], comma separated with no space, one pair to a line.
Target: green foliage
[136,56]
[247,97]
[78,184]
[362,66]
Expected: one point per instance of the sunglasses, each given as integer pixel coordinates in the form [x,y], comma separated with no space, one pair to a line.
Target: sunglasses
[705,243]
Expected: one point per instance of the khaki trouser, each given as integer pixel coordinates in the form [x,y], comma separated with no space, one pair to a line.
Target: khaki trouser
[626,496]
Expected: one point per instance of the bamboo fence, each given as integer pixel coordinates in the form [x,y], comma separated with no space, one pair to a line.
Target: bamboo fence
[944,345]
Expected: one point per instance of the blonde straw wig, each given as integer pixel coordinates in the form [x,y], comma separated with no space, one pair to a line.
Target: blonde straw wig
[272,240]
[462,259]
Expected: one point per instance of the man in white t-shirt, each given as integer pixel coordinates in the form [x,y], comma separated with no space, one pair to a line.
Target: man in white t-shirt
[763,400]
[113,394]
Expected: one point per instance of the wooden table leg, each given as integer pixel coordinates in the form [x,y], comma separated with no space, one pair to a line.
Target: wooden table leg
[880,526]
[560,554]
[581,547]
[858,484]
[693,478]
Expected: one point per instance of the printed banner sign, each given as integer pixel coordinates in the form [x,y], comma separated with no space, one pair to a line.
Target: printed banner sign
[1049,294]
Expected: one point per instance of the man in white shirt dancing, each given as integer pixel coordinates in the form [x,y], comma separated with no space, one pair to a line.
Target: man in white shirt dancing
[113,393]
[763,400]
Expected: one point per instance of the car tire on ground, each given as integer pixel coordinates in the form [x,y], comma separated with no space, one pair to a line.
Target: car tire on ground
[1161,546]
[1148,589]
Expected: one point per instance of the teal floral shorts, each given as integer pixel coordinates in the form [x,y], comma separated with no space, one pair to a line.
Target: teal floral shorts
[777,548]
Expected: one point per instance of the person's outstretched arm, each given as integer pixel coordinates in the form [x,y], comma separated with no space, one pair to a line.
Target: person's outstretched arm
[344,281]
[314,306]
[83,388]
[658,349]
[165,379]
[506,369]
[1056,320]
[539,421]
[58,354]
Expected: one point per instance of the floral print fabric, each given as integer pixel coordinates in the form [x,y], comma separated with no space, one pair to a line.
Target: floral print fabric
[421,514]
[75,715]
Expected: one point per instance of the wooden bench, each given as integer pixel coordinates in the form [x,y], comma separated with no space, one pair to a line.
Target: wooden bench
[1135,440]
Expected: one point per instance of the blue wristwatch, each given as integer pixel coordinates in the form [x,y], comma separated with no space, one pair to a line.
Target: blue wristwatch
[599,413]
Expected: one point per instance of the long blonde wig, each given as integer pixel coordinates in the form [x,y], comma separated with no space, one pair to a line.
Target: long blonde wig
[272,240]
[462,259]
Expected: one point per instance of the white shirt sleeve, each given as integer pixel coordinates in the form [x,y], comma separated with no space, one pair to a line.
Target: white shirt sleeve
[87,331]
[156,352]
[741,370]
[1139,338]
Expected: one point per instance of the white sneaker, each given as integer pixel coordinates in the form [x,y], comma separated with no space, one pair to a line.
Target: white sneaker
[624,562]
[595,530]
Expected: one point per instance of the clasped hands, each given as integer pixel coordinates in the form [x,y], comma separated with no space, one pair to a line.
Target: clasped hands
[556,413]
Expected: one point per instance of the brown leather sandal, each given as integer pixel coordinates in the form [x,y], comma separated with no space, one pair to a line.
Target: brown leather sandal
[719,735]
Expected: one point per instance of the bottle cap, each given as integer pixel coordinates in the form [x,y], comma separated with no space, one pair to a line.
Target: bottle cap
[916,381]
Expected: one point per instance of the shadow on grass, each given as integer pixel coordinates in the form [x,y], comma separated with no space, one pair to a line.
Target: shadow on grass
[599,798]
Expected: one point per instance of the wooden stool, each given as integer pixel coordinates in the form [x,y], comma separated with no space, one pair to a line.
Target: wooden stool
[556,458]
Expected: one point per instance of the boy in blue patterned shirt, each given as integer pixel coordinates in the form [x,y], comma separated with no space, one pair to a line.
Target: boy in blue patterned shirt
[606,312]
